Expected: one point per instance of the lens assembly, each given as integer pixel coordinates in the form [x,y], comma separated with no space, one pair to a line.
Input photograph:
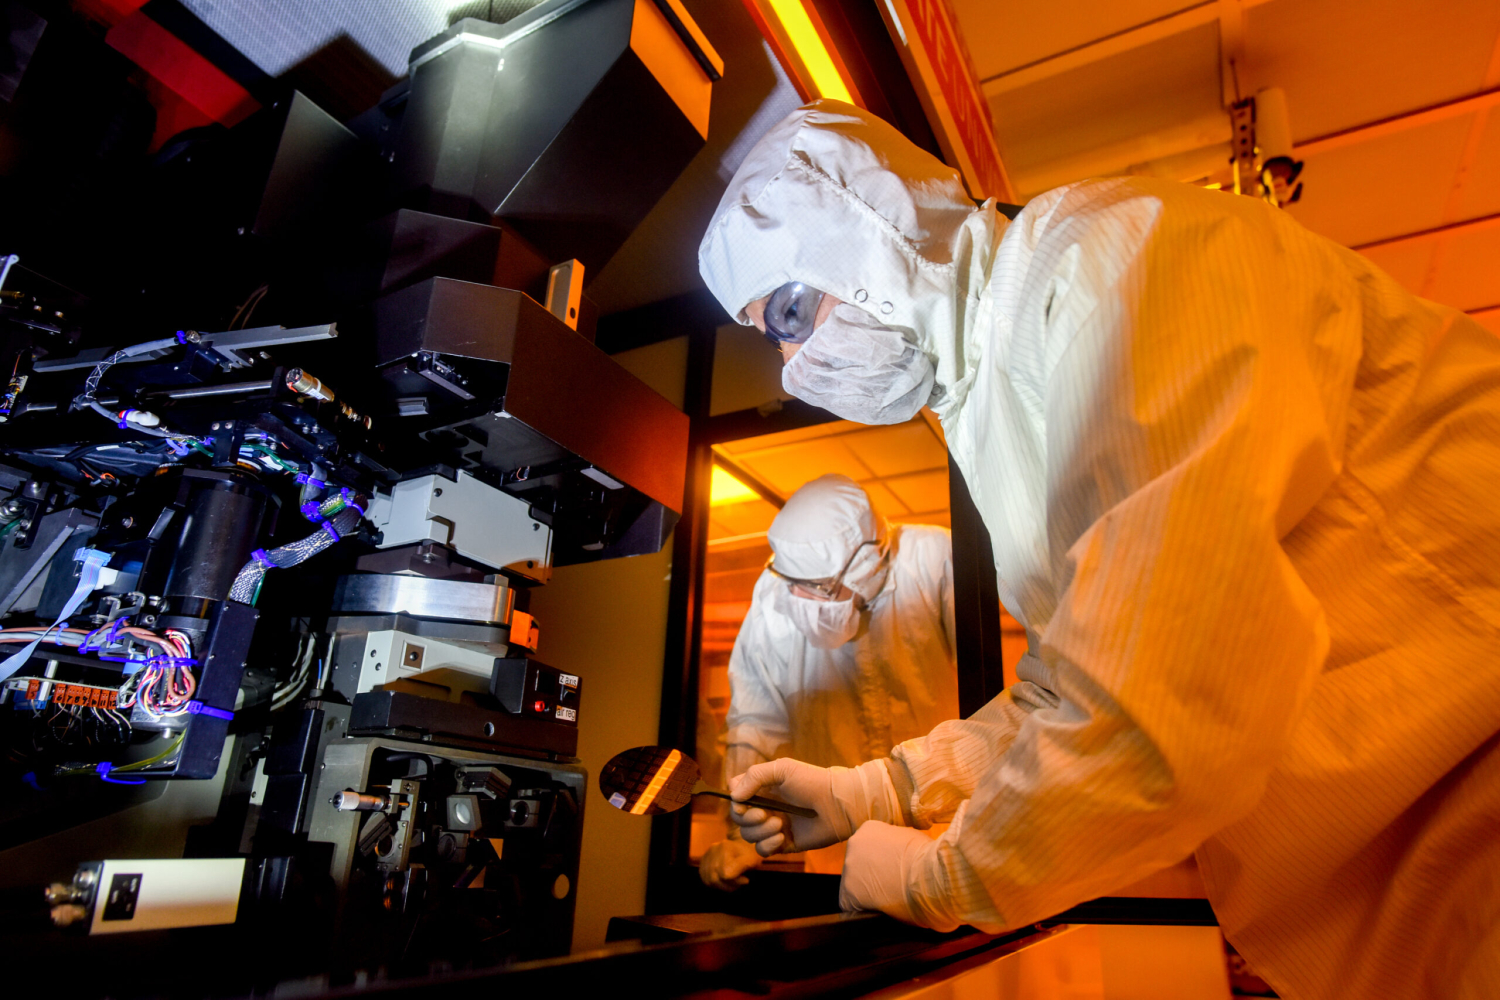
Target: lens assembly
[790,313]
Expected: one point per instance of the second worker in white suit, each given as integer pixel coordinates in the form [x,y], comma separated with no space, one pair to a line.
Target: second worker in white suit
[847,649]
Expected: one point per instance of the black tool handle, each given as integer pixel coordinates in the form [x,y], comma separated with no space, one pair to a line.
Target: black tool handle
[773,805]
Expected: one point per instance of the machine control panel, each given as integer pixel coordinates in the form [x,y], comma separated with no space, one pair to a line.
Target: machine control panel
[528,688]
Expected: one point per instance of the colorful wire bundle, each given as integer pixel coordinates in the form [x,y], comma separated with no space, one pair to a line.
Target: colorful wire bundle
[107,642]
[164,682]
[165,685]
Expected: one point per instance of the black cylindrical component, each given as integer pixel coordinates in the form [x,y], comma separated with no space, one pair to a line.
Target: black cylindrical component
[218,532]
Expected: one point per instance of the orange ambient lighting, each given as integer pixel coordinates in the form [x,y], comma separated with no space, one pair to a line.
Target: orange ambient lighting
[726,489]
[803,36]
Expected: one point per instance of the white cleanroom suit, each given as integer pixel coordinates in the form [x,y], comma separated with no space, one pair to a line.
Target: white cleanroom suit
[846,687]
[1241,492]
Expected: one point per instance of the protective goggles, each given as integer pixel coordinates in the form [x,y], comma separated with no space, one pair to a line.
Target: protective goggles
[790,313]
[827,588]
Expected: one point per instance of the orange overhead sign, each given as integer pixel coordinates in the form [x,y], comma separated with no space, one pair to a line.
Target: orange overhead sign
[926,34]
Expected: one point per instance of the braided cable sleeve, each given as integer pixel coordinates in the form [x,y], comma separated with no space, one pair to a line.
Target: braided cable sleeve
[249,578]
[91,384]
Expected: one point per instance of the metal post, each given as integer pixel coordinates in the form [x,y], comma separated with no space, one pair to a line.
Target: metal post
[671,833]
[976,601]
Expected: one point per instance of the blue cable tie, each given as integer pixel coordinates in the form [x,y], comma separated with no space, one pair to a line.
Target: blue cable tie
[178,448]
[103,771]
[264,558]
[348,497]
[311,511]
[303,479]
[181,337]
[89,645]
[328,527]
[174,661]
[198,708]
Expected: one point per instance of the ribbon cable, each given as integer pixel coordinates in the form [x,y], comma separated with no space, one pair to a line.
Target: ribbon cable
[88,581]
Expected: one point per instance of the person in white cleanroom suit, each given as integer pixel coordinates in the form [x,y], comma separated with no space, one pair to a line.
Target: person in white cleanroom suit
[1242,491]
[846,651]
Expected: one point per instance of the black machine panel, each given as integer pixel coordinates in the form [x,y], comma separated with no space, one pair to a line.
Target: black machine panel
[225,550]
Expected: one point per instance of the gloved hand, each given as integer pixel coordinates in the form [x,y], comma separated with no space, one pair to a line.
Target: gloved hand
[843,798]
[724,865]
[881,865]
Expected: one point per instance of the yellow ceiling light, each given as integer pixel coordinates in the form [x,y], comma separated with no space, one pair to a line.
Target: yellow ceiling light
[788,25]
[809,45]
[726,489]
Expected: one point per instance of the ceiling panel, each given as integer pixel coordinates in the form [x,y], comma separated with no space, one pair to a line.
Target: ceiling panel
[747,518]
[1343,63]
[787,467]
[1347,62]
[1469,275]
[1481,193]
[884,501]
[903,468]
[1170,84]
[1386,187]
[892,451]
[765,441]
[923,491]
[1004,36]
[1406,262]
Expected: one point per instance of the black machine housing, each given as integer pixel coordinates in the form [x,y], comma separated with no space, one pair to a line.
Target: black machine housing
[339,308]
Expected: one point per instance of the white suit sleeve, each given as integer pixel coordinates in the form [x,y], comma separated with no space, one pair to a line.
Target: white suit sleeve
[758,724]
[1188,406]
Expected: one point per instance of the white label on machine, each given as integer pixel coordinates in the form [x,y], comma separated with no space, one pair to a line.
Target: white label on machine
[567,714]
[568,680]
[156,894]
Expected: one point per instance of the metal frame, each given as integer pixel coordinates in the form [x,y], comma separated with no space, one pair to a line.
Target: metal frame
[671,833]
[976,612]
[976,601]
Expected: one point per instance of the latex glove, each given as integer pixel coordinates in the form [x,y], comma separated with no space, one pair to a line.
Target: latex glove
[843,798]
[882,866]
[724,864]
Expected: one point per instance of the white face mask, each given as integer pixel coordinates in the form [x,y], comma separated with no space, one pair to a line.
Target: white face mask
[826,624]
[860,370]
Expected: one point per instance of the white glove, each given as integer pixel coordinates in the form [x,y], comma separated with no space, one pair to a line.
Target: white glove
[881,865]
[890,868]
[843,798]
[724,864]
